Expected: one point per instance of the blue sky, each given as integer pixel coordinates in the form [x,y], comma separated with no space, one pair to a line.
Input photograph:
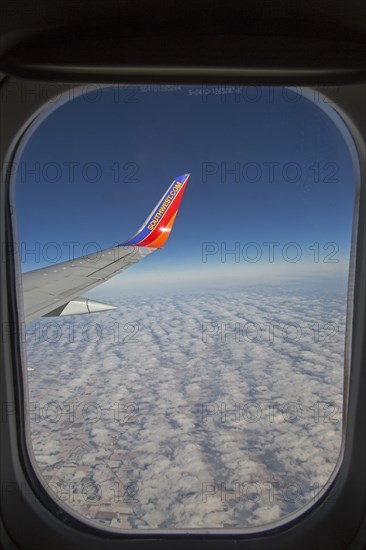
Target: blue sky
[266,166]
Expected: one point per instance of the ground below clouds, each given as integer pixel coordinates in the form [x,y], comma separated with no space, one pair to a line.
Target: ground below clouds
[213,409]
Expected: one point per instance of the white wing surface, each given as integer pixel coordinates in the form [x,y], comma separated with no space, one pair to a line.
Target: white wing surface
[56,290]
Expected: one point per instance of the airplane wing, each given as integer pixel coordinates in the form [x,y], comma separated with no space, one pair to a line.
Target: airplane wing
[56,290]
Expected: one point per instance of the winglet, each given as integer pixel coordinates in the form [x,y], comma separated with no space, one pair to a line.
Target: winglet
[156,229]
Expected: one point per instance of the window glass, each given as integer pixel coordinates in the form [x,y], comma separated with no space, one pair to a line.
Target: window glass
[211,397]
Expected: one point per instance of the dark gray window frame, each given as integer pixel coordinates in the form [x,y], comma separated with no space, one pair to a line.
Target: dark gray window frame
[331,523]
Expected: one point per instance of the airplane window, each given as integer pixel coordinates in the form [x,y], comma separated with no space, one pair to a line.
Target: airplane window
[185,255]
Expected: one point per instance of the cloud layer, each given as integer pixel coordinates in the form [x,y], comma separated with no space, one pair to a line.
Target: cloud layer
[203,410]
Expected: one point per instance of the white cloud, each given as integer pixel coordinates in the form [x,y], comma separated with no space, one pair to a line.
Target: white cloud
[211,427]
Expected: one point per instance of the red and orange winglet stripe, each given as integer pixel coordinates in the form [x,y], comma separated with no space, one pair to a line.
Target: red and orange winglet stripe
[156,230]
